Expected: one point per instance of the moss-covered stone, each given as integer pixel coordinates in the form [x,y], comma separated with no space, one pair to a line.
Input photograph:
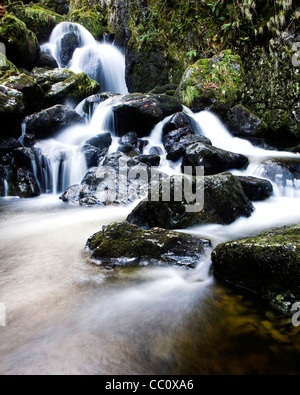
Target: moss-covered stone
[37,19]
[91,20]
[268,265]
[6,67]
[75,89]
[125,244]
[212,83]
[22,47]
[60,7]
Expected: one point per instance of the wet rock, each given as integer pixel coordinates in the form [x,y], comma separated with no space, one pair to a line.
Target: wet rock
[22,183]
[2,181]
[69,44]
[281,169]
[243,123]
[33,94]
[124,244]
[7,146]
[156,151]
[23,157]
[46,60]
[214,160]
[47,123]
[177,149]
[12,110]
[149,160]
[74,89]
[101,141]
[28,140]
[222,202]
[119,180]
[93,155]
[178,121]
[129,138]
[267,265]
[256,189]
[140,113]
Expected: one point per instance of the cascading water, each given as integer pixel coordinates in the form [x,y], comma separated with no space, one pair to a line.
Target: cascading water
[61,162]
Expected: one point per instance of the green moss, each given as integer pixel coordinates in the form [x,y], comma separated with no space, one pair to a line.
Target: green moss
[91,20]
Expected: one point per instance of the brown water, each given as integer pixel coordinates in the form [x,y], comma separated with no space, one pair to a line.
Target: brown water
[67,316]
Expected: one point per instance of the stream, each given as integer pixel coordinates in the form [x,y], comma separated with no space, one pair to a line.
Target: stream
[68,316]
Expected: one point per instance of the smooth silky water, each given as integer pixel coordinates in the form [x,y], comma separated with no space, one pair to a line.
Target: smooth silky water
[65,315]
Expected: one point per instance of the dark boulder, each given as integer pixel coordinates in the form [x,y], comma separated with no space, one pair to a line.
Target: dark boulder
[243,123]
[268,265]
[214,160]
[93,155]
[101,141]
[178,121]
[256,189]
[46,60]
[69,44]
[47,123]
[129,138]
[178,148]
[149,160]
[140,113]
[22,183]
[124,244]
[23,157]
[222,202]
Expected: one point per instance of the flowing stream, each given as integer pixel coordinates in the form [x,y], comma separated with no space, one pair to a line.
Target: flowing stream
[67,316]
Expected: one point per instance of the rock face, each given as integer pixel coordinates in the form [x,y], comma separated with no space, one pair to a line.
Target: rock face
[243,123]
[22,183]
[49,122]
[213,159]
[126,245]
[268,265]
[21,44]
[213,84]
[224,202]
[140,113]
[256,189]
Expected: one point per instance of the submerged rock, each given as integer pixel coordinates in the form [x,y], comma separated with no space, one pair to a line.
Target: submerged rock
[224,201]
[126,245]
[268,265]
[139,113]
[281,169]
[69,43]
[214,160]
[256,189]
[49,122]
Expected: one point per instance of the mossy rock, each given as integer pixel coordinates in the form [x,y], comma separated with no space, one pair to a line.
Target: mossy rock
[60,7]
[6,67]
[268,265]
[124,244]
[222,202]
[75,89]
[91,20]
[212,83]
[22,47]
[37,19]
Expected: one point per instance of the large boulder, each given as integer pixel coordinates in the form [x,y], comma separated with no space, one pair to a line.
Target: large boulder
[69,43]
[140,113]
[12,110]
[223,201]
[46,60]
[22,183]
[126,245]
[21,43]
[74,89]
[177,148]
[47,123]
[6,67]
[213,84]
[268,265]
[214,160]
